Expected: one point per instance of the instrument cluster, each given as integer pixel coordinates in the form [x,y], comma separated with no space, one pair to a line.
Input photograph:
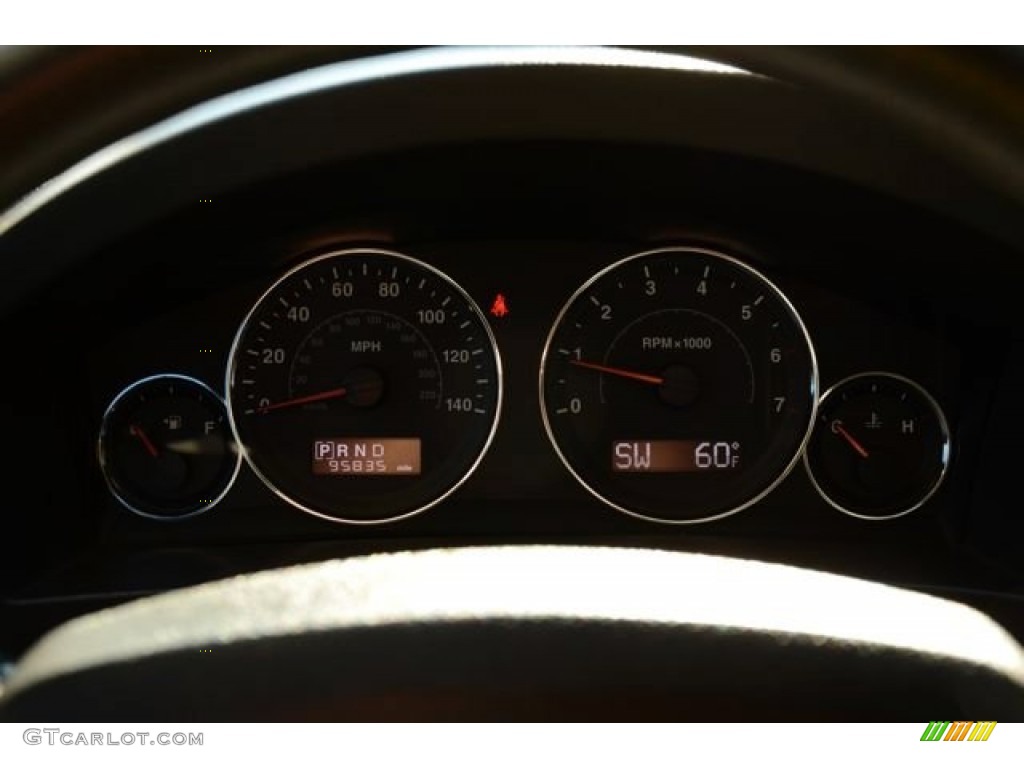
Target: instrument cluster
[678,384]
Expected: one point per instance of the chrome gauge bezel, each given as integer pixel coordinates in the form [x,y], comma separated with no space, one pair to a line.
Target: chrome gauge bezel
[755,274]
[104,463]
[354,252]
[947,452]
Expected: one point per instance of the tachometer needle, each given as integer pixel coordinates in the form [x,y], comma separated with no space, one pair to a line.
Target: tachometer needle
[854,443]
[634,375]
[330,394]
[136,431]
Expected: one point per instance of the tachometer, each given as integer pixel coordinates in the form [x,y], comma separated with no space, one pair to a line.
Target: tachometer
[679,385]
[364,386]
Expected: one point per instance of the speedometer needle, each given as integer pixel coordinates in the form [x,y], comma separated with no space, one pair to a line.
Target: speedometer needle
[634,375]
[329,394]
[854,443]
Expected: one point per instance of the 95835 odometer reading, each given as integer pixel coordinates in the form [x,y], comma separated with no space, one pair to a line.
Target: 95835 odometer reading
[679,385]
[364,386]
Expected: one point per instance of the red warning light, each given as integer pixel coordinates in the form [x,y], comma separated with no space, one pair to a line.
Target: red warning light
[499,308]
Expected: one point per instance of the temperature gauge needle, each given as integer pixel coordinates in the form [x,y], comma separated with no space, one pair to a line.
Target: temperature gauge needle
[330,394]
[136,431]
[854,443]
[634,375]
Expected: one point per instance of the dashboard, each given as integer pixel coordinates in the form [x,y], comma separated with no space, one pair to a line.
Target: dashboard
[497,339]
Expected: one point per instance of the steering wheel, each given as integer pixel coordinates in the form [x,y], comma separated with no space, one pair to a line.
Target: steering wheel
[509,632]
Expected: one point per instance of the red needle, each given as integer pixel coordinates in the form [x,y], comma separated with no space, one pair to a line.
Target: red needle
[330,394]
[851,440]
[646,378]
[136,431]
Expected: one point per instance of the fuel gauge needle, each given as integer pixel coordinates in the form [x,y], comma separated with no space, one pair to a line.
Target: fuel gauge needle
[136,431]
[854,443]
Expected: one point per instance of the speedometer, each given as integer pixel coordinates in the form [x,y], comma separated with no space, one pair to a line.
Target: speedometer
[679,385]
[364,386]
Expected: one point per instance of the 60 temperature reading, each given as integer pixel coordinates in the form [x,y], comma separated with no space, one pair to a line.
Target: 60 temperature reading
[717,455]
[673,455]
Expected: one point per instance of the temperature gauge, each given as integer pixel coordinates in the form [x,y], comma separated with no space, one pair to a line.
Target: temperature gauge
[880,448]
[165,447]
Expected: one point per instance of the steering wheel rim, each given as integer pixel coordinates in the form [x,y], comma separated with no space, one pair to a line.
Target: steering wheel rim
[72,101]
[560,633]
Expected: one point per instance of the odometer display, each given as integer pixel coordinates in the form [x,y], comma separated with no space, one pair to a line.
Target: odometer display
[367,456]
[364,386]
[679,385]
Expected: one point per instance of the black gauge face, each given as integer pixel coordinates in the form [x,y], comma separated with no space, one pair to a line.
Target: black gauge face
[364,386]
[678,385]
[166,449]
[881,446]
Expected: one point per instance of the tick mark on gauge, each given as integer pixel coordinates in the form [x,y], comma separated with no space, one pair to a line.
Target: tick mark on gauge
[422,283]
[479,410]
[465,324]
[283,301]
[707,271]
[252,352]
[561,410]
[309,285]
[483,381]
[758,300]
[477,351]
[334,271]
[446,301]
[594,300]
[264,325]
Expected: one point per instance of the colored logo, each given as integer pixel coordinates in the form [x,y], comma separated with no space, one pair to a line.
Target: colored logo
[958,731]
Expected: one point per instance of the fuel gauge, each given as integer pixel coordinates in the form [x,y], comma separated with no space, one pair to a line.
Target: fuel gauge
[880,448]
[165,447]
